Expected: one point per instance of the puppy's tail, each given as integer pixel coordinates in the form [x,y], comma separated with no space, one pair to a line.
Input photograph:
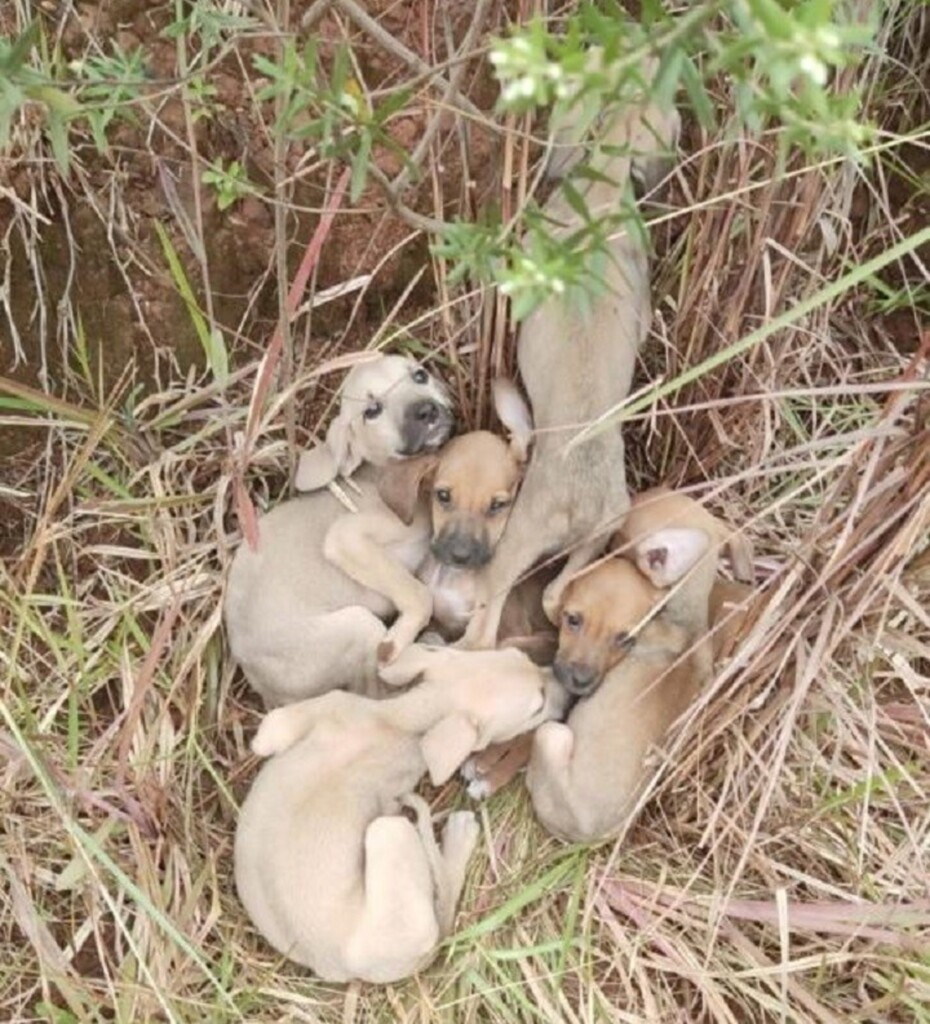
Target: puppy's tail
[637,140]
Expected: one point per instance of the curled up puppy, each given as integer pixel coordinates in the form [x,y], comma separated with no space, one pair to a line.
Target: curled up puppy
[329,869]
[635,644]
[307,611]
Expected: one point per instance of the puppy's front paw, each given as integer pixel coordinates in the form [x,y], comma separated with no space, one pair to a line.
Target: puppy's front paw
[400,636]
[470,769]
[275,733]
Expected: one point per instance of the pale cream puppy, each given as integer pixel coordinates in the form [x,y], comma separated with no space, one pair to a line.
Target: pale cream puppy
[327,867]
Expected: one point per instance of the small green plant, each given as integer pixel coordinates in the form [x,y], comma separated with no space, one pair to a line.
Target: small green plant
[780,57]
[208,22]
[329,111]
[230,183]
[20,84]
[114,82]
[202,95]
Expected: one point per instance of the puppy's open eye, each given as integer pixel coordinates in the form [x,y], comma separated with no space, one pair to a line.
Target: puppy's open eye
[623,641]
[573,621]
[373,410]
[498,505]
[443,496]
[420,376]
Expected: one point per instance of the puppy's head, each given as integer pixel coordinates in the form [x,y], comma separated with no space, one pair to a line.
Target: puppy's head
[390,408]
[471,484]
[601,612]
[486,697]
[473,488]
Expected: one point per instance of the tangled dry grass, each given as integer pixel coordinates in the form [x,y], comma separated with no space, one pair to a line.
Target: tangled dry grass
[780,868]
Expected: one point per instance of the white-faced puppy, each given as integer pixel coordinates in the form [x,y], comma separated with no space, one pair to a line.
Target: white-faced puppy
[635,643]
[306,612]
[576,366]
[390,407]
[328,868]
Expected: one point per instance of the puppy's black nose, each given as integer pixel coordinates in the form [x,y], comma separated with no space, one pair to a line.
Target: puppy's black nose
[425,411]
[577,678]
[461,551]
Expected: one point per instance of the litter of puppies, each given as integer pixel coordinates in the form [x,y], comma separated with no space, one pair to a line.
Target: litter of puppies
[449,532]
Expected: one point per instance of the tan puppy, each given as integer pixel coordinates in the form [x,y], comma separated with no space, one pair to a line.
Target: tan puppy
[653,646]
[492,769]
[328,869]
[306,612]
[576,367]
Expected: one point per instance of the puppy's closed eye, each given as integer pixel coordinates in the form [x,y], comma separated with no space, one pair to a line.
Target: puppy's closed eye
[497,505]
[623,641]
[573,621]
[373,410]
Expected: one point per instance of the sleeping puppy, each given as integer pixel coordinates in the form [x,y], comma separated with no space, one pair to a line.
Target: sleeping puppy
[576,368]
[326,865]
[494,768]
[635,643]
[306,612]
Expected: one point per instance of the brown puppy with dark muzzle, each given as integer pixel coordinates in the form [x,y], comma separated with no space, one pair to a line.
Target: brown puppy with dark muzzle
[596,631]
[469,488]
[639,648]
[616,610]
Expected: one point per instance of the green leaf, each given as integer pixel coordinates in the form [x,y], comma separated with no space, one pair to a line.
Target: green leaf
[575,200]
[16,56]
[58,136]
[697,94]
[360,163]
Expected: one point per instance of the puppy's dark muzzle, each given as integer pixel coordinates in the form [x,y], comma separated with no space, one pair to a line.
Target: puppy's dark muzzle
[461,550]
[427,425]
[579,680]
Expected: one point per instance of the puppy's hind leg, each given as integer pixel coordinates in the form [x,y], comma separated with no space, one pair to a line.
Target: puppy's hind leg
[398,928]
[449,865]
[526,539]
[333,651]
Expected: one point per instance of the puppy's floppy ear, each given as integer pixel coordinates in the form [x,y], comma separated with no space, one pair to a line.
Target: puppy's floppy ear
[447,744]
[401,483]
[515,414]
[320,465]
[666,555]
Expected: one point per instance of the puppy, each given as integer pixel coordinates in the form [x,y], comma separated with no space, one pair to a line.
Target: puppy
[638,624]
[306,612]
[326,866]
[492,769]
[575,369]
